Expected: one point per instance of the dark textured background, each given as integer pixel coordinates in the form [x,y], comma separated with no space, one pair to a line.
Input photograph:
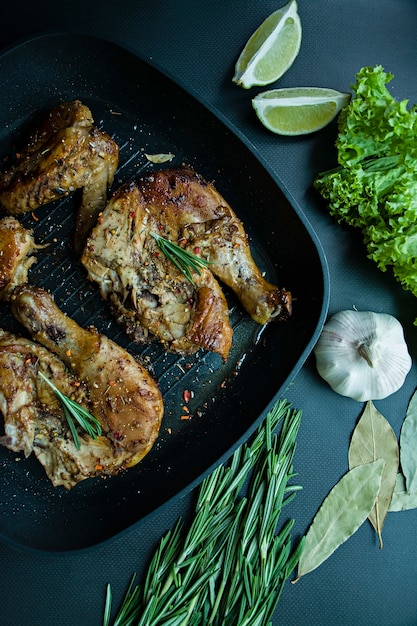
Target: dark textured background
[197,43]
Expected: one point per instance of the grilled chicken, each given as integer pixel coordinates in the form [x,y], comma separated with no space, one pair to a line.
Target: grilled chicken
[148,295]
[102,376]
[64,153]
[17,246]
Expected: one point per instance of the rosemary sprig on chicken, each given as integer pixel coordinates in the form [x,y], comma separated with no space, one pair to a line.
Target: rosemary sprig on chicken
[184,260]
[73,410]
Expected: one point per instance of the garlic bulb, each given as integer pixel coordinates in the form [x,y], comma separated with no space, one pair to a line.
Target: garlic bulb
[363,355]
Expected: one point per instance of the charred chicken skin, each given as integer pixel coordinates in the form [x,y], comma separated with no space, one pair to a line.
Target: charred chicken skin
[64,153]
[103,377]
[146,292]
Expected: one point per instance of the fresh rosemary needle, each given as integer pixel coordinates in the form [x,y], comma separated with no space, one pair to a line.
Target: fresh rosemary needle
[230,567]
[72,410]
[186,262]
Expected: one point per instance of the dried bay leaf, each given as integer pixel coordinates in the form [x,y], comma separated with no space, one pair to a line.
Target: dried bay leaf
[373,438]
[408,446]
[344,509]
[160,158]
[402,500]
[405,492]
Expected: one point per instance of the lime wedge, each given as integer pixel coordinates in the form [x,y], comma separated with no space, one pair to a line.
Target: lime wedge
[298,110]
[271,50]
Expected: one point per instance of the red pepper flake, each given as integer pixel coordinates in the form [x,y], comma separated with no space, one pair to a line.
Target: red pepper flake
[187,395]
[91,248]
[112,383]
[99,467]
[118,435]
[75,383]
[197,250]
[185,417]
[132,214]
[223,385]
[188,366]
[35,217]
[185,409]
[68,352]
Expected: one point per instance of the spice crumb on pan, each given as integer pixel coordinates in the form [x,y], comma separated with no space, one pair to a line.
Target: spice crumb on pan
[187,395]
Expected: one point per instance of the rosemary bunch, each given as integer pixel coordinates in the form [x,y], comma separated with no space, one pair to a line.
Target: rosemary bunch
[186,262]
[229,568]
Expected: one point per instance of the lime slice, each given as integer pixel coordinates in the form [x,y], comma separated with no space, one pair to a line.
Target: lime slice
[298,110]
[271,50]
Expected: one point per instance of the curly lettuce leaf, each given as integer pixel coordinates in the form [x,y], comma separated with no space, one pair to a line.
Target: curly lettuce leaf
[374,187]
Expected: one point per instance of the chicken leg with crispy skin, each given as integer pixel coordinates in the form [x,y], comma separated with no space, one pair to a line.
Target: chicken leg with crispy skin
[123,395]
[64,152]
[148,294]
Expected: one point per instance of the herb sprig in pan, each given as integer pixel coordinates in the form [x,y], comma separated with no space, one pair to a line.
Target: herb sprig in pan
[186,262]
[230,567]
[72,410]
